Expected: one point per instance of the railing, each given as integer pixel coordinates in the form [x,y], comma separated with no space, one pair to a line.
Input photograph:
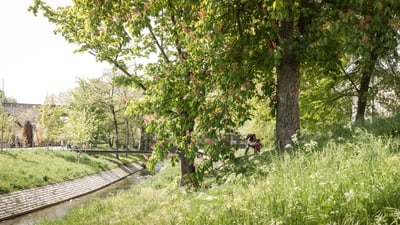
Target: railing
[94,152]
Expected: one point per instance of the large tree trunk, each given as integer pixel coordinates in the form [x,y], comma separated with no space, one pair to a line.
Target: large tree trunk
[186,168]
[364,88]
[287,116]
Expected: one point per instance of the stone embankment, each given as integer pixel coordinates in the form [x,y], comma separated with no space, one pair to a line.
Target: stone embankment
[21,202]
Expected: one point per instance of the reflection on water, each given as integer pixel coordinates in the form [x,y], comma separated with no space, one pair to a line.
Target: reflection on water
[60,210]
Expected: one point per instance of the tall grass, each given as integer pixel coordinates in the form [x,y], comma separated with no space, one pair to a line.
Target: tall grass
[22,169]
[348,177]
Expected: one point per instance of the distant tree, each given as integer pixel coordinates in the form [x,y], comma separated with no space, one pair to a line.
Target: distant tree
[5,99]
[6,123]
[86,114]
[362,37]
[118,124]
[49,124]
[386,92]
[81,127]
[371,34]
[127,123]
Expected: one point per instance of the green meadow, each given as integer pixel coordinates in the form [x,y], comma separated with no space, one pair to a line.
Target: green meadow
[348,175]
[27,168]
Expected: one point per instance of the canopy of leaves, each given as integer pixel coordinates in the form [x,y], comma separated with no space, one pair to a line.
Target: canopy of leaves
[212,54]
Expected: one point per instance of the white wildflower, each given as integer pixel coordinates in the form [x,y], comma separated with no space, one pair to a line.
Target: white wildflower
[349,195]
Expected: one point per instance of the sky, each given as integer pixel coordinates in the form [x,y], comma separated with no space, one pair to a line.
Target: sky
[34,62]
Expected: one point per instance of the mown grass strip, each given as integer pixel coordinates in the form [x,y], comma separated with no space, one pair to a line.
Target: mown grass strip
[23,169]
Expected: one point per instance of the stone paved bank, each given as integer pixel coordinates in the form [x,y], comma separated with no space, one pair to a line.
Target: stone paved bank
[25,201]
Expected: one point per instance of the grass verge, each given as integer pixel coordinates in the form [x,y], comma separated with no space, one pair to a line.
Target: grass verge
[23,169]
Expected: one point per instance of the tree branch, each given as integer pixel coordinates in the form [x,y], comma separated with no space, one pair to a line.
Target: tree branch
[349,78]
[158,44]
[123,70]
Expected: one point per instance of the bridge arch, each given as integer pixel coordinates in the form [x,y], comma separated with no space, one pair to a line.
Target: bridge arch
[23,128]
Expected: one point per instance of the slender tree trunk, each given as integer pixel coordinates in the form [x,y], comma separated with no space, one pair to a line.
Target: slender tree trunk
[143,138]
[287,116]
[127,133]
[363,96]
[116,132]
[364,88]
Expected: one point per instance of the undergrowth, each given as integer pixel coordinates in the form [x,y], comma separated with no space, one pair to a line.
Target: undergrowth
[347,176]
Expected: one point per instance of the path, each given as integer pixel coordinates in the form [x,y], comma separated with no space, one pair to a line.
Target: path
[25,201]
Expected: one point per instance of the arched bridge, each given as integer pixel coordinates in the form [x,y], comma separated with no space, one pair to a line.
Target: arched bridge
[22,112]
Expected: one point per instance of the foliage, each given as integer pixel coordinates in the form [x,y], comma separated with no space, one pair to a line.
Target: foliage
[355,58]
[96,113]
[346,176]
[49,124]
[6,99]
[211,55]
[86,113]
[39,167]
[370,35]
[262,123]
[325,101]
[189,93]
[6,123]
[121,126]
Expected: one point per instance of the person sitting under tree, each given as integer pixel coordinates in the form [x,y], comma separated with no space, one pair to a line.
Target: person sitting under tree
[251,141]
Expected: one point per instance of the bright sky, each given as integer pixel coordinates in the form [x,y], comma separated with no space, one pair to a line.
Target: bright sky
[34,62]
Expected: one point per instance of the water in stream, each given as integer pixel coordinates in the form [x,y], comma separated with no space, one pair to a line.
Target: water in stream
[60,210]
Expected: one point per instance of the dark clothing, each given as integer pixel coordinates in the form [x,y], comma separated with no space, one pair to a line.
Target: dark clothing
[250,142]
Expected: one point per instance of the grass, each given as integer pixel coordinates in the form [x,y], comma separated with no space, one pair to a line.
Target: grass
[23,169]
[349,176]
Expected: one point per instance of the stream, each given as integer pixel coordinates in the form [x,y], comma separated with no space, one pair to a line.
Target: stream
[60,210]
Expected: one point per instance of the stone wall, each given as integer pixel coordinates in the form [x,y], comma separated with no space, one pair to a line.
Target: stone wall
[23,112]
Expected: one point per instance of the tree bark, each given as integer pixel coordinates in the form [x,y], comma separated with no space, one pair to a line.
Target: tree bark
[127,133]
[364,89]
[186,168]
[288,80]
[116,131]
[363,96]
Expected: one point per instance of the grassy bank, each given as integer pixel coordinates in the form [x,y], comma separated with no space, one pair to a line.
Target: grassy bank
[348,177]
[22,169]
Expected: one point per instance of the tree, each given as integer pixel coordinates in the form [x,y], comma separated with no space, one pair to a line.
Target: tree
[129,124]
[6,99]
[370,29]
[49,123]
[211,56]
[364,36]
[86,114]
[261,40]
[114,98]
[385,101]
[102,105]
[6,123]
